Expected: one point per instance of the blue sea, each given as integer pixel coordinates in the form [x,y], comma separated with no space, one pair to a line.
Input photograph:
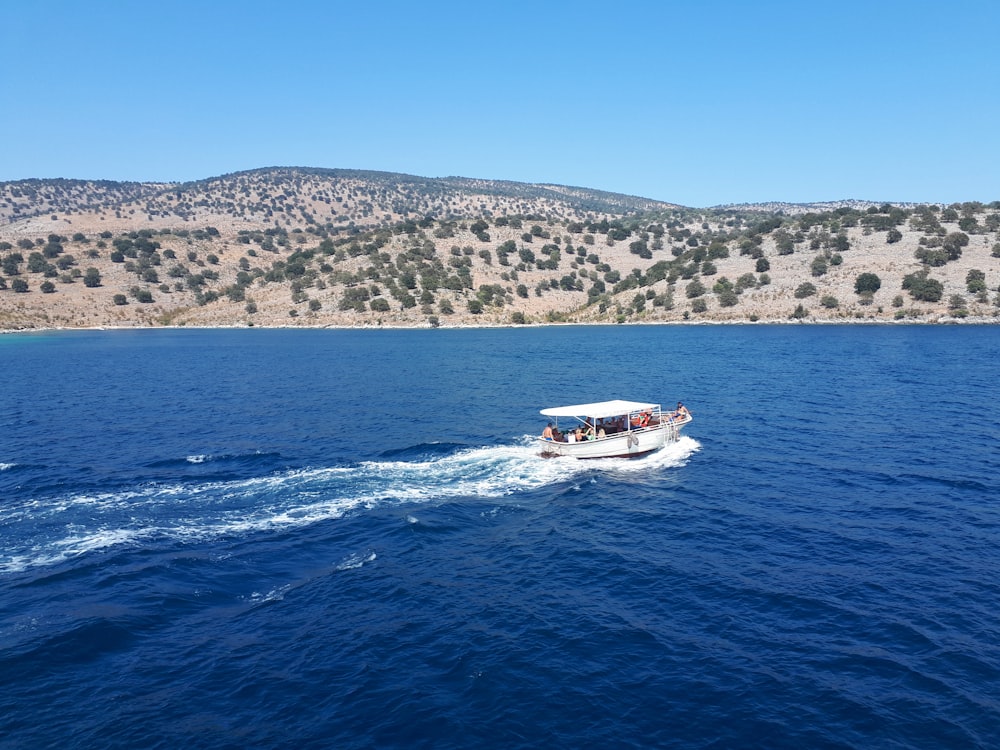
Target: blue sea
[347,539]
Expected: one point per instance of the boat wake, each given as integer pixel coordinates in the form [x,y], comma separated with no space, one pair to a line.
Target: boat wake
[42,532]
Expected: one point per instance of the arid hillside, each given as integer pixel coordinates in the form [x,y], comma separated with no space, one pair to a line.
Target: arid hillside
[311,247]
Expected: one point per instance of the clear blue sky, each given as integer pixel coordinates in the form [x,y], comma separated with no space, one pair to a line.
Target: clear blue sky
[699,103]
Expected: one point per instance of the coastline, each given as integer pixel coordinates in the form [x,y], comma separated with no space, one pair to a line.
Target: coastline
[981,320]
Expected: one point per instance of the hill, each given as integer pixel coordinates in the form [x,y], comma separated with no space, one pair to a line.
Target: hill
[327,247]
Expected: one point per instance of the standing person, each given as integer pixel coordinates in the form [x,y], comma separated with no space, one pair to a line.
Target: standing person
[547,432]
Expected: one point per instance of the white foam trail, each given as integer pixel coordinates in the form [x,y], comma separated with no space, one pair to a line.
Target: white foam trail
[352,562]
[274,595]
[4,467]
[75,525]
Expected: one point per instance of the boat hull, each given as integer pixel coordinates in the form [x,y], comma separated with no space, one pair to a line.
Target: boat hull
[630,444]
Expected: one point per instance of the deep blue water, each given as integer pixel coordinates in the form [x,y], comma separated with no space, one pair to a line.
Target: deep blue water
[222,539]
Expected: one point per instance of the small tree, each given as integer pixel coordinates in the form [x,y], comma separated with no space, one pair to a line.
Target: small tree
[829,302]
[728,298]
[19,285]
[694,289]
[975,281]
[92,278]
[47,287]
[867,282]
[954,243]
[923,288]
[805,289]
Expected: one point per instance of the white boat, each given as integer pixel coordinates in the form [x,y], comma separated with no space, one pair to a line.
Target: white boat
[611,429]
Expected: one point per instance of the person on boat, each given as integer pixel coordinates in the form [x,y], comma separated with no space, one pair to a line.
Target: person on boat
[681,412]
[547,432]
[557,436]
[641,419]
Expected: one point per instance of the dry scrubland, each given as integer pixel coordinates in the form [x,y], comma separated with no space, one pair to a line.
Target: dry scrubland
[300,247]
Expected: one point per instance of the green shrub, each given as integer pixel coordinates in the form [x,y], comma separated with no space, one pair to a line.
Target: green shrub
[805,289]
[867,282]
[119,299]
[694,289]
[923,288]
[975,281]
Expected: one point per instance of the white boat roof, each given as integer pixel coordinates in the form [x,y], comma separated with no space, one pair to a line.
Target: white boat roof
[600,409]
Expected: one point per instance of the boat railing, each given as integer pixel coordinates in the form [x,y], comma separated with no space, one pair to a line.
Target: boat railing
[659,420]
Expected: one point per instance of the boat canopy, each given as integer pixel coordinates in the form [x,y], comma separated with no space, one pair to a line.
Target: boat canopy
[600,410]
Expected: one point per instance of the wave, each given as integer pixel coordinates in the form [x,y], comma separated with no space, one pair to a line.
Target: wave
[197,459]
[43,532]
[5,467]
[424,450]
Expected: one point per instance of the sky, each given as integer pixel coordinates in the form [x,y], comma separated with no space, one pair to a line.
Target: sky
[697,103]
